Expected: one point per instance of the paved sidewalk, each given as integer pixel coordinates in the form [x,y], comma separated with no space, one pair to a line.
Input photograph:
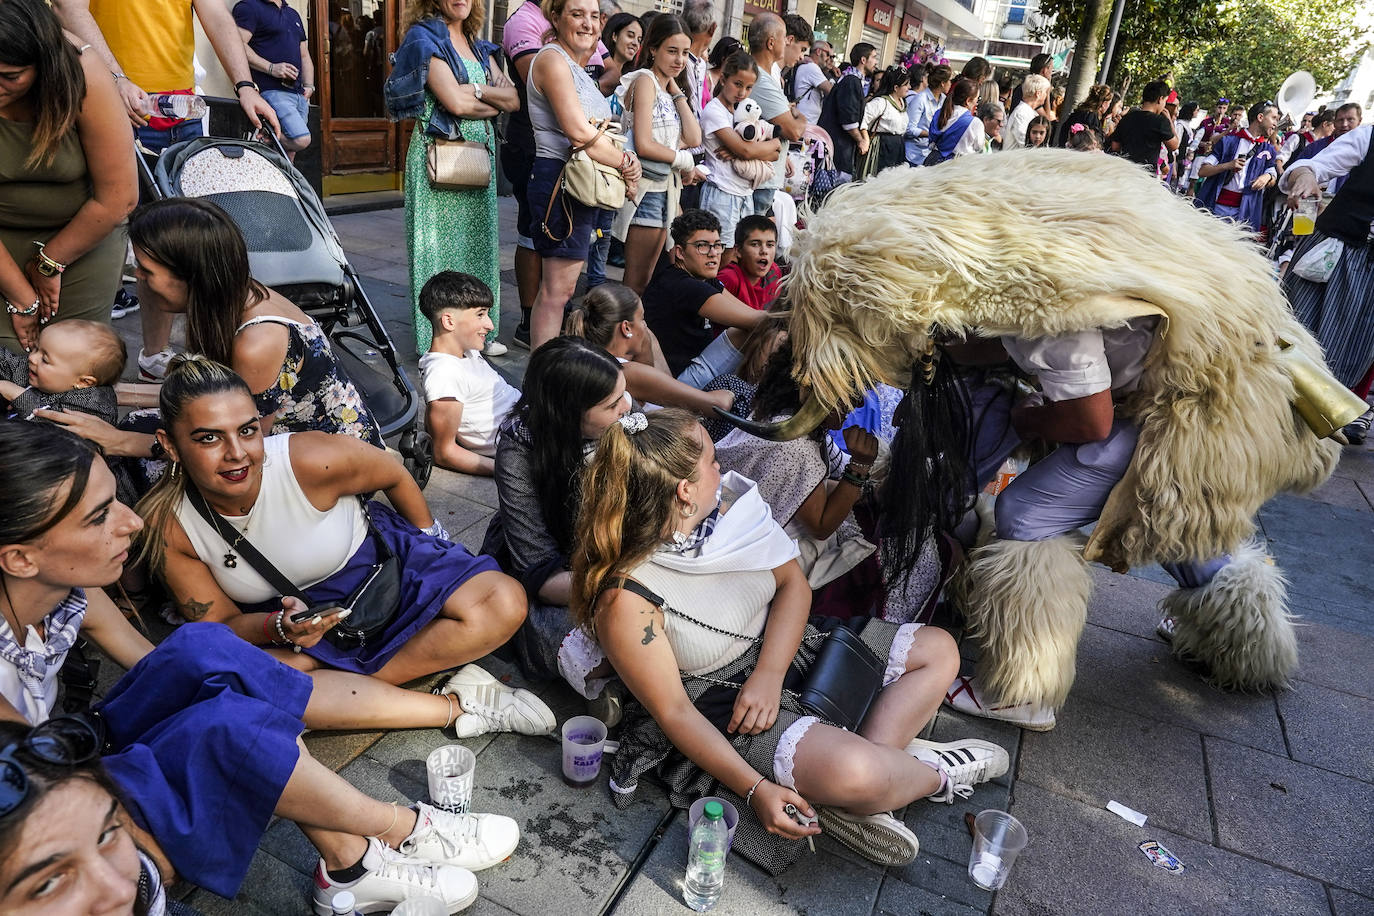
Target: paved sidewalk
[1268,800]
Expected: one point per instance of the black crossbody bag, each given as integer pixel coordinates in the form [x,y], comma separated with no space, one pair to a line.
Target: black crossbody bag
[842,683]
[371,605]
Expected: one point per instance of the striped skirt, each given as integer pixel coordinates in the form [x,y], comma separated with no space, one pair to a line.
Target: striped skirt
[1339,312]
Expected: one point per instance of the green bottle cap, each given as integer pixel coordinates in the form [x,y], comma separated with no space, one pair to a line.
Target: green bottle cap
[714,811]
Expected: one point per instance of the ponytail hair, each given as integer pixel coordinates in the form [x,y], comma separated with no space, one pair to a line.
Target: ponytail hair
[962,93]
[629,500]
[603,308]
[738,62]
[189,378]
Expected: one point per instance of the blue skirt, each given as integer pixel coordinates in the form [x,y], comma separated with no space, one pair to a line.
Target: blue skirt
[201,739]
[431,571]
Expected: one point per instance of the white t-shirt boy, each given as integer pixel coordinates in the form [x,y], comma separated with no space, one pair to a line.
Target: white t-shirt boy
[486,397]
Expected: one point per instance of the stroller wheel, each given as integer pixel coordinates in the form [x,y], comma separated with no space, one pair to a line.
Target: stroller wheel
[418,455]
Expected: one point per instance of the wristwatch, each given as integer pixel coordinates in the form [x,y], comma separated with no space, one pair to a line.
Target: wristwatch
[477,91]
[47,265]
[244,84]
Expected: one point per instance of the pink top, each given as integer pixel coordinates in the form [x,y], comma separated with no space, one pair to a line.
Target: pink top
[524,32]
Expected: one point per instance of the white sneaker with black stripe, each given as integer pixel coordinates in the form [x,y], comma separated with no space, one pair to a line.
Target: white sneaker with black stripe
[964,763]
[879,838]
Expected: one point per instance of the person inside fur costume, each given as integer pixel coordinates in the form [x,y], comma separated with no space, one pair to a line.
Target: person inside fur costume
[1170,417]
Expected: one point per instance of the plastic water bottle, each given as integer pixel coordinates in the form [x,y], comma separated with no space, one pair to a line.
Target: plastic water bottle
[343,903]
[706,860]
[169,105]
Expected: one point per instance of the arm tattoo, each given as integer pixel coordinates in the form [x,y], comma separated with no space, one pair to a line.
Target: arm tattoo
[194,610]
[648,635]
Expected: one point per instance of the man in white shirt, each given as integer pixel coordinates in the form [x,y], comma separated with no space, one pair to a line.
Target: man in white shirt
[776,45]
[811,85]
[1034,91]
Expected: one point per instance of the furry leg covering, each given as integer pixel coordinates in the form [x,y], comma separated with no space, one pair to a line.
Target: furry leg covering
[1026,603]
[1238,624]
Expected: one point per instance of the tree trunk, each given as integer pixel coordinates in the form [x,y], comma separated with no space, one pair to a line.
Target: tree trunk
[1087,46]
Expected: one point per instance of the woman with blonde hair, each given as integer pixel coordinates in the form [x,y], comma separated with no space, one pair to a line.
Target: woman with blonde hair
[565,108]
[448,78]
[693,593]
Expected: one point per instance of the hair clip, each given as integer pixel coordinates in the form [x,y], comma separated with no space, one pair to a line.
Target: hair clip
[1076,128]
[634,423]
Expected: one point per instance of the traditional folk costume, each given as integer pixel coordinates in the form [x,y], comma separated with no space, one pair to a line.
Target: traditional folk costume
[1229,194]
[1205,429]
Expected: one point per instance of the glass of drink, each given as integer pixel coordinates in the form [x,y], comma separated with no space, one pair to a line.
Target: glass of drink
[584,738]
[1305,216]
[998,839]
[450,770]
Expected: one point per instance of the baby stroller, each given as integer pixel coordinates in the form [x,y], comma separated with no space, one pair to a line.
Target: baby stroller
[292,248]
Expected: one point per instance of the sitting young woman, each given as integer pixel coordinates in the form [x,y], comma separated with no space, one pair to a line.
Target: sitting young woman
[299,499]
[611,316]
[201,736]
[743,381]
[693,593]
[192,259]
[572,392]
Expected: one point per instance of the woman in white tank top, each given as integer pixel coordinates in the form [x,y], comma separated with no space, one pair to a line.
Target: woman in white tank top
[702,611]
[296,498]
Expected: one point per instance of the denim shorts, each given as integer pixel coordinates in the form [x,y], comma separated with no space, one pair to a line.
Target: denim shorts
[570,221]
[728,208]
[652,210]
[293,111]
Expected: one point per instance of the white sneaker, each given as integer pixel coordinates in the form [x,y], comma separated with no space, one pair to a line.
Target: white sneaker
[392,877]
[471,841]
[1166,627]
[965,763]
[495,348]
[963,696]
[154,368]
[879,838]
[491,706]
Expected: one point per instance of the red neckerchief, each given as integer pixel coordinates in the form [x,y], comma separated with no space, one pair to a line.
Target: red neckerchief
[1246,135]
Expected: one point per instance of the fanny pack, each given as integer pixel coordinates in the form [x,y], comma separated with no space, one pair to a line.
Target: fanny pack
[843,681]
[371,605]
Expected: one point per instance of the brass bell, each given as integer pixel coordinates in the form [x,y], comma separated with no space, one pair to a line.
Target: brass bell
[1324,404]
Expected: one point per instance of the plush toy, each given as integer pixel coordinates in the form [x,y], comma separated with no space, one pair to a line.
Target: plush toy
[751,126]
[1052,245]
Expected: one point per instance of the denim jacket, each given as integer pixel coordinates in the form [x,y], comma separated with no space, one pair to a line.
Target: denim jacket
[404,90]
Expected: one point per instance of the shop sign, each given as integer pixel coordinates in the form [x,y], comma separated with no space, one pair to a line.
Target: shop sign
[911,28]
[880,15]
[756,7]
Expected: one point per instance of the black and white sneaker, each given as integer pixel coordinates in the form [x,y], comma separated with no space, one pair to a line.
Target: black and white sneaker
[1357,429]
[879,838]
[964,763]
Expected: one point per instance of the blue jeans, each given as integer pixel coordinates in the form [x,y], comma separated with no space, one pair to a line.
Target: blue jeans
[719,357]
[600,250]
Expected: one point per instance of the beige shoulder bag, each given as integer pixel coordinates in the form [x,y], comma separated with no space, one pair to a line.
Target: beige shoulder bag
[457,165]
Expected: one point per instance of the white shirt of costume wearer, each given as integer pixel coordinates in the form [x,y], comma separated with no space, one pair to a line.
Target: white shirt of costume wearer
[306,545]
[1082,363]
[1014,131]
[718,117]
[975,139]
[486,397]
[880,117]
[768,93]
[1237,180]
[1289,146]
[1339,157]
[810,79]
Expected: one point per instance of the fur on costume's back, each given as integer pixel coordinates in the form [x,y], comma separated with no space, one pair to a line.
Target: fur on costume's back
[1043,242]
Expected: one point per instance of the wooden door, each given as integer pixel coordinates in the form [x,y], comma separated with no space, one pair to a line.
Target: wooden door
[360,146]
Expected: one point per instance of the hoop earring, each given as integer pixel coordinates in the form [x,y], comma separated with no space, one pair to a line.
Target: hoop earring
[689,510]
[176,470]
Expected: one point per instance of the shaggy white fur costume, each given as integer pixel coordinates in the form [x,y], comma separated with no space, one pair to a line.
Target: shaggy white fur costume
[1035,243]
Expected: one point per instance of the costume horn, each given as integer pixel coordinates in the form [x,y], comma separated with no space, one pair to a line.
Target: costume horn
[1323,403]
[810,415]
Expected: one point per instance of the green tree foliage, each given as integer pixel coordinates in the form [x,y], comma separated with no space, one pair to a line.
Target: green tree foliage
[1151,35]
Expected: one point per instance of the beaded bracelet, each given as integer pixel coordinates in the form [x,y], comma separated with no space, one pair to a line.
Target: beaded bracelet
[858,480]
[281,631]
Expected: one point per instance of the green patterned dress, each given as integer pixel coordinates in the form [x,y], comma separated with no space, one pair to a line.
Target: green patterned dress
[450,230]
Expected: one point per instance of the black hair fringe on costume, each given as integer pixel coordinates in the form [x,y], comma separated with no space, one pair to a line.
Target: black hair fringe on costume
[930,479]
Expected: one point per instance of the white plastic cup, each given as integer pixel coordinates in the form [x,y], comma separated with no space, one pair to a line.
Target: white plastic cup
[998,839]
[450,770]
[420,906]
[584,739]
[698,811]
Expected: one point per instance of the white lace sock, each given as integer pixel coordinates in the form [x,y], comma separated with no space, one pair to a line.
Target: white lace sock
[785,757]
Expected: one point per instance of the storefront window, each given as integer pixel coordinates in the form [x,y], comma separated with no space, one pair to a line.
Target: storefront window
[832,25]
[357,49]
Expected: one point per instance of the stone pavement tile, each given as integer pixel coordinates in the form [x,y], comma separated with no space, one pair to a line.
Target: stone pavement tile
[336,749]
[1085,860]
[1139,675]
[1325,551]
[472,536]
[272,887]
[1295,816]
[456,512]
[1341,491]
[897,898]
[480,490]
[1345,903]
[405,752]
[947,878]
[1342,617]
[1126,603]
[1098,754]
[575,846]
[1330,729]
[1336,658]
[1358,462]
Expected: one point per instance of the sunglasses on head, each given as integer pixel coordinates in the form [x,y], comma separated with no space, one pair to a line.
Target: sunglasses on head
[65,741]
